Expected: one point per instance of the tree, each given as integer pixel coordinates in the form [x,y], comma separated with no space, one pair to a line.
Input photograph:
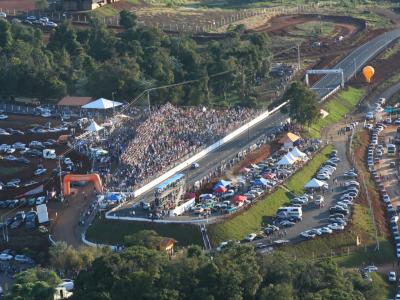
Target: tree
[303,106]
[5,34]
[34,284]
[147,238]
[64,37]
[42,4]
[127,19]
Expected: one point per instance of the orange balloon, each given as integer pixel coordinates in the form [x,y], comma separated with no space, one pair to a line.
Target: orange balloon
[368,72]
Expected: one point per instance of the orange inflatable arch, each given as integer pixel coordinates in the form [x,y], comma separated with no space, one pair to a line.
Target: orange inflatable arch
[95,178]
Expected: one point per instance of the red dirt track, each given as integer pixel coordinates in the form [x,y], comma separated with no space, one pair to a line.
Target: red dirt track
[17,4]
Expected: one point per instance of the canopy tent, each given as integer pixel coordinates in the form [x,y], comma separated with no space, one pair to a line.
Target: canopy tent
[244,170]
[222,182]
[297,153]
[291,156]
[102,103]
[285,161]
[270,176]
[94,127]
[220,189]
[261,181]
[114,197]
[315,183]
[239,198]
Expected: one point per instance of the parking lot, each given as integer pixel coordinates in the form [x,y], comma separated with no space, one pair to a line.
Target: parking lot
[315,217]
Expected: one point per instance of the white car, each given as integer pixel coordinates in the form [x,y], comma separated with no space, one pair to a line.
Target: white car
[51,24]
[3,14]
[40,171]
[378,109]
[392,277]
[336,226]
[40,200]
[68,161]
[369,116]
[68,284]
[371,269]
[250,237]
[44,19]
[5,256]
[23,259]
[308,234]
[326,230]
[3,117]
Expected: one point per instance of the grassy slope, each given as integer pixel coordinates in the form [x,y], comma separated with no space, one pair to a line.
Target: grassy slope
[262,212]
[337,107]
[113,232]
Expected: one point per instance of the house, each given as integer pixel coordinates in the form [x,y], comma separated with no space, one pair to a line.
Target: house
[74,101]
[78,5]
[167,245]
[289,139]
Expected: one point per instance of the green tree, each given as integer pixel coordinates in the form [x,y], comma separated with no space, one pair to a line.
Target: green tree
[303,106]
[64,37]
[5,34]
[127,19]
[42,4]
[34,284]
[147,238]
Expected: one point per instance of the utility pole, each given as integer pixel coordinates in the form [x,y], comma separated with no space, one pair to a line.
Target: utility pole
[59,173]
[298,56]
[112,96]
[148,100]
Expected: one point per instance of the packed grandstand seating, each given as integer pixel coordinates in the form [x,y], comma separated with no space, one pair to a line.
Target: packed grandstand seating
[143,144]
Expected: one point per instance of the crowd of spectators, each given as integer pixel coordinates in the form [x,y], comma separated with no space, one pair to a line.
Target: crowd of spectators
[143,144]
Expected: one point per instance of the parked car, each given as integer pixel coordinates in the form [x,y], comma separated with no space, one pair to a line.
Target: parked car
[5,257]
[23,259]
[250,237]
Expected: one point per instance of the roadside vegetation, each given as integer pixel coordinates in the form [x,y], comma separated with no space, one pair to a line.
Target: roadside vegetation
[337,107]
[110,232]
[236,273]
[98,62]
[263,211]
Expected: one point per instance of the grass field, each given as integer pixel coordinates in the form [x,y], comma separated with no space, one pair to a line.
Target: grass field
[337,107]
[321,29]
[113,232]
[261,213]
[10,170]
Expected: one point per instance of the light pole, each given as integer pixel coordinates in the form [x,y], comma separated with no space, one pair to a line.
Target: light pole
[112,97]
[59,174]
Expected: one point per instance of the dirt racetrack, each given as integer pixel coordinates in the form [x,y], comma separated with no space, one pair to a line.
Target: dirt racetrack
[17,4]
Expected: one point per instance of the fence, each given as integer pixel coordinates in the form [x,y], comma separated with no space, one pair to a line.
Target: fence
[206,26]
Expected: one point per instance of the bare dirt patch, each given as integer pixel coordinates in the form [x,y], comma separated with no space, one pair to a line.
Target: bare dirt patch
[253,158]
[22,5]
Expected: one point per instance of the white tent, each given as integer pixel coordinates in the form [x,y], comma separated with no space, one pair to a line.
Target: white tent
[94,127]
[285,161]
[291,156]
[297,153]
[102,103]
[315,184]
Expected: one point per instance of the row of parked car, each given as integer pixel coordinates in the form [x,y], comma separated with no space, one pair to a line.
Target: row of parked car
[30,219]
[340,212]
[9,255]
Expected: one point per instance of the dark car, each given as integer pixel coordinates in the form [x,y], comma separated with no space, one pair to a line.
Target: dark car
[23,160]
[16,224]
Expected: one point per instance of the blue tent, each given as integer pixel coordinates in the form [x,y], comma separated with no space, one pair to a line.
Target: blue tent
[223,183]
[114,197]
[261,181]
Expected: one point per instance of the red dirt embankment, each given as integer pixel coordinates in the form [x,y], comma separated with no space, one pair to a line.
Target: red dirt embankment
[17,4]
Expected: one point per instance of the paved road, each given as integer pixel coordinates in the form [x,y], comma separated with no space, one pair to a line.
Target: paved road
[354,61]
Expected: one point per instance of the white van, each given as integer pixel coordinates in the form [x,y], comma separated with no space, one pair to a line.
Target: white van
[290,211]
[49,154]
